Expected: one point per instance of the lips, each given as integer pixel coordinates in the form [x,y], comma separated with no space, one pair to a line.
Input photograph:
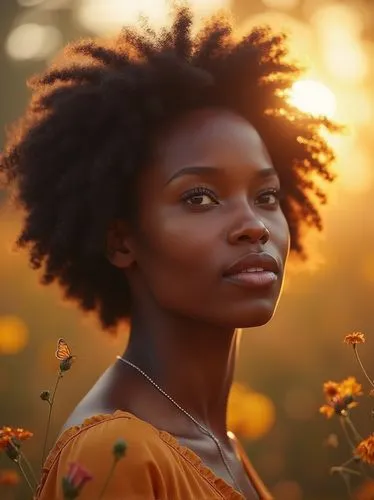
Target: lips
[253,263]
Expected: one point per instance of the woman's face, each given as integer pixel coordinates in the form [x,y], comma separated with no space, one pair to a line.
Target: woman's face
[211,240]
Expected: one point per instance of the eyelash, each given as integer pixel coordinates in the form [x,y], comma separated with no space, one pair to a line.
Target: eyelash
[273,191]
[201,190]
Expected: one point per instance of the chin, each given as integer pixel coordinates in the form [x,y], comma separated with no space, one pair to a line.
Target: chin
[259,315]
[259,321]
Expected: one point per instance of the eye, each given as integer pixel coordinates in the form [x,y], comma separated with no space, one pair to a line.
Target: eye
[270,197]
[200,197]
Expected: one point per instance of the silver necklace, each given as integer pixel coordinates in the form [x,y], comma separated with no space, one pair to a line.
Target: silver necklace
[202,427]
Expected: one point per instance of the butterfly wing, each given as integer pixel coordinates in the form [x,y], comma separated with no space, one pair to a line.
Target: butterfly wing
[63,351]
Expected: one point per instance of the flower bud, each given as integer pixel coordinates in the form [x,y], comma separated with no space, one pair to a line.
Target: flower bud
[119,449]
[45,396]
[76,478]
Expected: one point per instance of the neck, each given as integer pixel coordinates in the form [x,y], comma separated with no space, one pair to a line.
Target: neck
[192,362]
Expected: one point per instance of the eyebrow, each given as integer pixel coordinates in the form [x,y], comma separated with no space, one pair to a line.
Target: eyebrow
[213,171]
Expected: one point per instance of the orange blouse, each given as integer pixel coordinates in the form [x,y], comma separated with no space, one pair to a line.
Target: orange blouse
[155,467]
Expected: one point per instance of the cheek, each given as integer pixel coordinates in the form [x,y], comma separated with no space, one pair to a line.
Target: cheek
[176,258]
[177,237]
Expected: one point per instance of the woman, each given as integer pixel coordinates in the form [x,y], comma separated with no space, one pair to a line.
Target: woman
[164,178]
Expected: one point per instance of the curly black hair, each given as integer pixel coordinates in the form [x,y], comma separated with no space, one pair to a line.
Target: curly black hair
[75,155]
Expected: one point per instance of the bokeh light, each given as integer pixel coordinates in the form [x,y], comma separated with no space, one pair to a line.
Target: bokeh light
[287,490]
[346,60]
[206,7]
[365,491]
[300,35]
[358,107]
[281,4]
[33,41]
[337,16]
[30,3]
[313,97]
[13,335]
[9,477]
[108,16]
[339,28]
[355,175]
[250,414]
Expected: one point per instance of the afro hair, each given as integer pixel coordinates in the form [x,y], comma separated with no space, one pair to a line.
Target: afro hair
[87,132]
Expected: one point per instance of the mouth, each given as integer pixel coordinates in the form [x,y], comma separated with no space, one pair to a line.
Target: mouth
[254,270]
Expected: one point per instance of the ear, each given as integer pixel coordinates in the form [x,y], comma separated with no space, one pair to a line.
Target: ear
[119,251]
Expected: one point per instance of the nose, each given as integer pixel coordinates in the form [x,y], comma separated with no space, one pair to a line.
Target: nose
[249,229]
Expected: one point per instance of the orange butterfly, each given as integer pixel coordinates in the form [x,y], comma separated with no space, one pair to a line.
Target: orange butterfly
[63,352]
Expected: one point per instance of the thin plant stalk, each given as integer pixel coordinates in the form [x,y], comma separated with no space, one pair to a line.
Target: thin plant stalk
[346,433]
[353,428]
[114,463]
[22,456]
[31,470]
[18,462]
[50,403]
[347,481]
[341,469]
[344,469]
[347,462]
[362,366]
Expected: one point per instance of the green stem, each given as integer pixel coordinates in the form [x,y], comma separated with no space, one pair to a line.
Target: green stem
[347,436]
[356,434]
[18,462]
[347,462]
[341,469]
[347,481]
[21,456]
[31,470]
[114,463]
[362,366]
[59,377]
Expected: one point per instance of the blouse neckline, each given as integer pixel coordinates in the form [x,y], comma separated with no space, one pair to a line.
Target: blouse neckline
[225,489]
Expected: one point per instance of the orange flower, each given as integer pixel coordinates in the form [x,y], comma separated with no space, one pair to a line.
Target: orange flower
[331,389]
[9,477]
[354,338]
[350,387]
[7,434]
[340,396]
[365,450]
[327,410]
[18,433]
[4,441]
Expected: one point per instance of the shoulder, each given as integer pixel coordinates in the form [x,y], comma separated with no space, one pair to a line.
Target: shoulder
[102,431]
[140,472]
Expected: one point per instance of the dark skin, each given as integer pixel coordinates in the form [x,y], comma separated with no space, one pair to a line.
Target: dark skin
[191,226]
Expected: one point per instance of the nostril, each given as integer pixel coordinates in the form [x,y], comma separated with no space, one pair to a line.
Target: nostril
[265,237]
[246,237]
[255,236]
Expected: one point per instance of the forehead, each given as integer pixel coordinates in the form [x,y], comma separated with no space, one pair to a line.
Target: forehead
[211,137]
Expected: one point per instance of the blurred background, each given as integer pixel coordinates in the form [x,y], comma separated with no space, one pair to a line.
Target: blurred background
[282,365]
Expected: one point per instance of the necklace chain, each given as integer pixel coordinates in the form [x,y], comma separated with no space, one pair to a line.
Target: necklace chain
[202,427]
